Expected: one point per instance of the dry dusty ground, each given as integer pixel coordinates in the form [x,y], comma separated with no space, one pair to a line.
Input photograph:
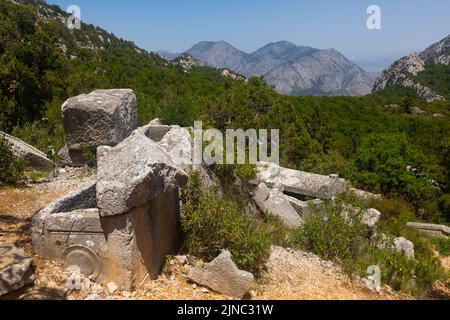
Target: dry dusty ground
[290,275]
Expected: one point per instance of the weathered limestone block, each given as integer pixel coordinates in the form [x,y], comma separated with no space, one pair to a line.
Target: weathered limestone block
[223,276]
[371,217]
[273,201]
[123,249]
[134,172]
[434,230]
[35,158]
[403,245]
[178,144]
[365,195]
[300,183]
[155,131]
[16,269]
[103,117]
[301,207]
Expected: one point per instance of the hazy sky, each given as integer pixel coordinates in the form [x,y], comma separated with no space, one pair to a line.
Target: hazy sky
[176,25]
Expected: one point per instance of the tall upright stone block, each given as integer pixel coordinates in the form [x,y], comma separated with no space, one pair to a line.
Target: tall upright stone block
[100,118]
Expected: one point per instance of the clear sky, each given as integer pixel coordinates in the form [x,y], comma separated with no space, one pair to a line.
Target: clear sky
[176,25]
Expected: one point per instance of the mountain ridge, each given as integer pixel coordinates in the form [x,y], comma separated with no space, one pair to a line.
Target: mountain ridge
[407,71]
[292,69]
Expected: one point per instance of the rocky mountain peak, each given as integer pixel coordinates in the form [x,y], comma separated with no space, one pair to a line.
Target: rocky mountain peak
[187,62]
[412,64]
[404,71]
[438,53]
[292,69]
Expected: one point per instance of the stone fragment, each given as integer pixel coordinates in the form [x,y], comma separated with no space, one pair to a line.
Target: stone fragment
[300,183]
[111,287]
[434,230]
[403,245]
[134,172]
[223,276]
[16,269]
[71,158]
[103,117]
[273,201]
[371,217]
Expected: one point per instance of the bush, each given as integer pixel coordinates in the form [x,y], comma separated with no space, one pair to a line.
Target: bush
[211,223]
[392,165]
[11,167]
[442,245]
[332,235]
[340,237]
[42,135]
[444,206]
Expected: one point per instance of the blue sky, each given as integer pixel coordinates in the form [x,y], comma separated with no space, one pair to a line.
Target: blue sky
[176,25]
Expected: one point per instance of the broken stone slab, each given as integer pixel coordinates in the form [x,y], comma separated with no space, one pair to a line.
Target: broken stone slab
[434,230]
[300,183]
[301,207]
[403,245]
[16,269]
[102,117]
[178,144]
[273,201]
[223,276]
[35,158]
[155,130]
[365,195]
[134,172]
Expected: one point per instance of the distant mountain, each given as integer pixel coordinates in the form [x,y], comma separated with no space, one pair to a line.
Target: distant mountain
[427,73]
[292,69]
[168,55]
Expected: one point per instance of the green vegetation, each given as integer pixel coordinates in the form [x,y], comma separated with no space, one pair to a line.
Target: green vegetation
[11,167]
[437,78]
[442,245]
[212,223]
[382,149]
[341,238]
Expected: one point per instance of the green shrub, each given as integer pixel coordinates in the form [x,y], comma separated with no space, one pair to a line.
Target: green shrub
[444,206]
[212,223]
[11,167]
[332,235]
[43,136]
[339,237]
[442,245]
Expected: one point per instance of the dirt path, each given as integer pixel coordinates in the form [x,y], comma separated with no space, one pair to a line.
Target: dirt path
[290,276]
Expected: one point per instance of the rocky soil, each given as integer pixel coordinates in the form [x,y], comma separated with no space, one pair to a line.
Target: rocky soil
[289,274]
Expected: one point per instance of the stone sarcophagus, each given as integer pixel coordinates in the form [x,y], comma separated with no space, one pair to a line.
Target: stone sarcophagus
[123,249]
[121,227]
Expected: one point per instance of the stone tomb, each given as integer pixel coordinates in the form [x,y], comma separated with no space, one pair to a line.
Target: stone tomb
[123,249]
[121,227]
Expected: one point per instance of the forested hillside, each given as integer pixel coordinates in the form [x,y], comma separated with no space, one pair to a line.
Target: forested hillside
[379,142]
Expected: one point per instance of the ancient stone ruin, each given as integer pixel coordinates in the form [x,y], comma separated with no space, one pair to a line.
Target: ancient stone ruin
[298,183]
[119,228]
[101,118]
[429,229]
